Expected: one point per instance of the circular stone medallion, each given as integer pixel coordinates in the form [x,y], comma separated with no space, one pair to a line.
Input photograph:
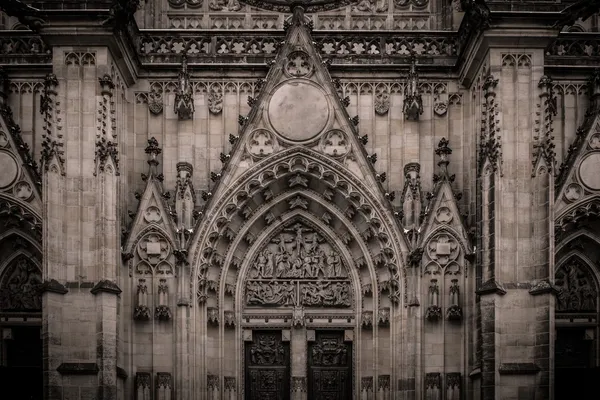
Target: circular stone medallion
[298,111]
[9,169]
[588,171]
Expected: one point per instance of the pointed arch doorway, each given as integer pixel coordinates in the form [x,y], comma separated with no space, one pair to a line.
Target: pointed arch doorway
[577,367]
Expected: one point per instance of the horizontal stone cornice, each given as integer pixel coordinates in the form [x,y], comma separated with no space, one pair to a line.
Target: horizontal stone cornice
[76,368]
[106,286]
[518,369]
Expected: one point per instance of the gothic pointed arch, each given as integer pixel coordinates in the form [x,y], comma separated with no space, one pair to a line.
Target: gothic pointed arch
[298,134]
[297,178]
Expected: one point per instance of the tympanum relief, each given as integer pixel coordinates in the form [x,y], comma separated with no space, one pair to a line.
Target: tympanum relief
[298,268]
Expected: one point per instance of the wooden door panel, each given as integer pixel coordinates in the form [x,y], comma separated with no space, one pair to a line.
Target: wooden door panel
[267,367]
[329,367]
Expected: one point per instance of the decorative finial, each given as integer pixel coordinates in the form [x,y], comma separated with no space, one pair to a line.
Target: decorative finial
[413,103]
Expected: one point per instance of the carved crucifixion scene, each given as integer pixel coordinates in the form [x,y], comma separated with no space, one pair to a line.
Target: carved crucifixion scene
[298,268]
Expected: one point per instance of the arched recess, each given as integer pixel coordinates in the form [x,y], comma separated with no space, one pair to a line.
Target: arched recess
[444,275]
[21,349]
[293,185]
[254,192]
[577,354]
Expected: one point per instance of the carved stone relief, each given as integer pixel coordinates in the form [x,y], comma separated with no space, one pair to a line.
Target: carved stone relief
[443,251]
[577,291]
[20,289]
[153,248]
[267,350]
[298,64]
[382,102]
[155,103]
[335,143]
[261,143]
[215,102]
[298,268]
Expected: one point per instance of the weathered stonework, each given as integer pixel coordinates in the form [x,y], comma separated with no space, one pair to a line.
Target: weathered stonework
[237,199]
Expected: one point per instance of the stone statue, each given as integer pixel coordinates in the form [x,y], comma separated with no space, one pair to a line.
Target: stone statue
[184,102]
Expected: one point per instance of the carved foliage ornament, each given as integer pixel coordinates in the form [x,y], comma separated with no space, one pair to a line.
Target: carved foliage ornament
[298,268]
[577,291]
[20,287]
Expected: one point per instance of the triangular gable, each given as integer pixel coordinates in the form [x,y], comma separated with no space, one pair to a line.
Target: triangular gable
[578,177]
[442,211]
[298,105]
[152,213]
[19,178]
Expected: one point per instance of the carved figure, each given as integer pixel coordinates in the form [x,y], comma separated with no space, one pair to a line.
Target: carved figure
[297,255]
[267,351]
[184,103]
[576,290]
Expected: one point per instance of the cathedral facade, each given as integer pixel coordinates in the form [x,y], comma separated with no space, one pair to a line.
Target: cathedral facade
[268,199]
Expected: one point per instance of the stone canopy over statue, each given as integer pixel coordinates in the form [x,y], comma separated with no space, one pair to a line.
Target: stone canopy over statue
[298,267]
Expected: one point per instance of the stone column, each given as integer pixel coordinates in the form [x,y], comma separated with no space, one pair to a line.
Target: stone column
[298,358]
[81,248]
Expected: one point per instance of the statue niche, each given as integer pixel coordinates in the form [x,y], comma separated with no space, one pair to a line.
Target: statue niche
[298,268]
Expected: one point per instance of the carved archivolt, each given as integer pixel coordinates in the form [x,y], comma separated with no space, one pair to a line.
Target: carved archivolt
[291,163]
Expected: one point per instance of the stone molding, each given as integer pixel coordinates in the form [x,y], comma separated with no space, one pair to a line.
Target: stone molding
[106,286]
[53,286]
[491,286]
[73,368]
[518,369]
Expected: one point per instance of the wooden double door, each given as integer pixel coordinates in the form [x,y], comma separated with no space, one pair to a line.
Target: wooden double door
[329,370]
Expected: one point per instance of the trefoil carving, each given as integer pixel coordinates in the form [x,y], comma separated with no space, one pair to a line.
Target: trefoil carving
[383,316]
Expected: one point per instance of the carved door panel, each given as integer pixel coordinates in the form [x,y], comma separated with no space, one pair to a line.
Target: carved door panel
[329,367]
[267,367]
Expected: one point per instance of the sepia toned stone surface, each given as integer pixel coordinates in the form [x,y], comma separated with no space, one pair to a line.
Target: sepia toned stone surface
[265,203]
[298,110]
